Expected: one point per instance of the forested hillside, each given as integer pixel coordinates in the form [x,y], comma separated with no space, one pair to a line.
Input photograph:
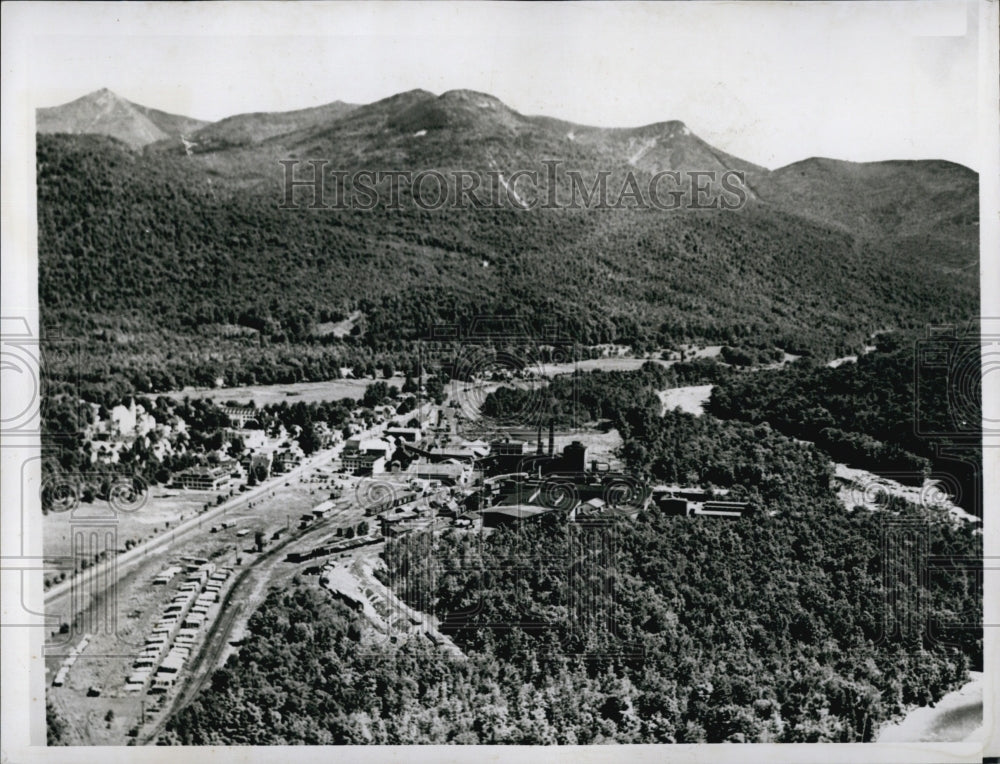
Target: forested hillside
[891,412]
[172,271]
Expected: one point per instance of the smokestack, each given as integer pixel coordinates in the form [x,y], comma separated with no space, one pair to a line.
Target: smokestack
[552,436]
[540,451]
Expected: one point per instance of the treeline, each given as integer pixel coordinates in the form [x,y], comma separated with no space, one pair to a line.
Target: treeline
[759,463]
[750,356]
[860,450]
[572,399]
[891,412]
[113,363]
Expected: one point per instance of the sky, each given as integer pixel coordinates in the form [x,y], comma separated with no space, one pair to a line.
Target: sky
[769,82]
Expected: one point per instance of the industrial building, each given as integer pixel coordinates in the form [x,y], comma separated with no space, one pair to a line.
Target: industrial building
[697,502]
[366,455]
[408,434]
[447,473]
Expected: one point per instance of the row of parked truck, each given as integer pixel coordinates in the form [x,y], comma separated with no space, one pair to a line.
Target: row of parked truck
[170,644]
[69,660]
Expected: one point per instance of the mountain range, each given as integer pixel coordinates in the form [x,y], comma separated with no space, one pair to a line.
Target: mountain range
[417,128]
[156,225]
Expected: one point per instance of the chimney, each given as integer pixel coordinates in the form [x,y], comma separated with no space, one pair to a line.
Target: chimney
[552,436]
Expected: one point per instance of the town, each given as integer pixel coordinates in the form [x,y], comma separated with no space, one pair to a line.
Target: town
[250,496]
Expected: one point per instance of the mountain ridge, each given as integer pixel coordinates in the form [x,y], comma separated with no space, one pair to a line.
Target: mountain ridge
[270,125]
[177,238]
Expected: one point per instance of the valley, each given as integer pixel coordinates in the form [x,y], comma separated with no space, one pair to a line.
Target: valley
[529,472]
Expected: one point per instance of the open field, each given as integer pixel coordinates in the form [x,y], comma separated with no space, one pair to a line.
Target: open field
[691,399]
[593,364]
[162,510]
[338,329]
[337,389]
[625,363]
[307,392]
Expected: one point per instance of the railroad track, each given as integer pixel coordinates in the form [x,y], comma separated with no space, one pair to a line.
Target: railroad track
[230,608]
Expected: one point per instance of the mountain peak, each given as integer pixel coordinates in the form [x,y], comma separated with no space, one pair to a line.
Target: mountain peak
[102,96]
[104,112]
[457,110]
[256,127]
[471,96]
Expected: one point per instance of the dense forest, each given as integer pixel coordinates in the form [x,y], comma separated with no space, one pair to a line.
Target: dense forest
[162,271]
[891,412]
[780,627]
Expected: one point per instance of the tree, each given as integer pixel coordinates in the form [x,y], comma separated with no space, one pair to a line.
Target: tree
[375,394]
[435,389]
[309,440]
[55,725]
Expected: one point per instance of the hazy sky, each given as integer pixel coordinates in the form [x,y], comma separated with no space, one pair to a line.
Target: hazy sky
[769,82]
